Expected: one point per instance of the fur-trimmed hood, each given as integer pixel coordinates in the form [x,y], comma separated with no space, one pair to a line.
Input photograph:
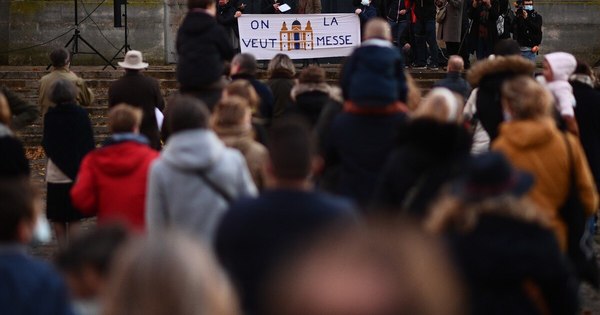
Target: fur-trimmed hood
[333,92]
[499,64]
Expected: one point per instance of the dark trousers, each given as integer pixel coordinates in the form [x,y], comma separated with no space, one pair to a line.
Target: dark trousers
[425,36]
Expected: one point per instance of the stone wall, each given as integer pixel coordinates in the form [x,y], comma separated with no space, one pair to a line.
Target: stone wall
[569,25]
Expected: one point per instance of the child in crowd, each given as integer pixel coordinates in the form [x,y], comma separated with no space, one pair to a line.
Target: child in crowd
[232,122]
[29,286]
[558,67]
[86,265]
[111,182]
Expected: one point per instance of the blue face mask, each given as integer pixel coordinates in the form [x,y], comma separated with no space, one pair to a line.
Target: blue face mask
[528,7]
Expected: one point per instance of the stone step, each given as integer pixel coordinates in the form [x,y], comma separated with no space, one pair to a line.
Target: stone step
[25,82]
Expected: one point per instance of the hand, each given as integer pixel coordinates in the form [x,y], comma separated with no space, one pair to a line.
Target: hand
[524,14]
[476,3]
[237,14]
[358,11]
[402,12]
[535,49]
[276,6]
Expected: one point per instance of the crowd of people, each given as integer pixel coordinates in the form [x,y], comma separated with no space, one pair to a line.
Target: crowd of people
[294,196]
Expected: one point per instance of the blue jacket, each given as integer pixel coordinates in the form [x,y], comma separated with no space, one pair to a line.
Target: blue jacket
[30,286]
[374,74]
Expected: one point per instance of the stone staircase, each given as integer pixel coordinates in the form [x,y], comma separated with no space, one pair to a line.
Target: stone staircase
[25,82]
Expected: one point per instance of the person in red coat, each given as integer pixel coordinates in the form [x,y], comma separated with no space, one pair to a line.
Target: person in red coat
[111,182]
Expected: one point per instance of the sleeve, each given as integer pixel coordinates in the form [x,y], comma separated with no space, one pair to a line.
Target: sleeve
[266,7]
[23,113]
[227,18]
[86,96]
[224,44]
[84,193]
[317,6]
[585,181]
[160,100]
[246,186]
[156,207]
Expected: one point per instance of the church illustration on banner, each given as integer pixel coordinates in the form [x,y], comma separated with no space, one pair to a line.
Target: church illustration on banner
[296,38]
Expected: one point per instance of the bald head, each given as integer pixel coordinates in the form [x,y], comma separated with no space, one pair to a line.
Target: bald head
[455,64]
[378,28]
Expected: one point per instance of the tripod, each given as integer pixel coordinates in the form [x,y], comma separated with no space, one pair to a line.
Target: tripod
[125,48]
[74,42]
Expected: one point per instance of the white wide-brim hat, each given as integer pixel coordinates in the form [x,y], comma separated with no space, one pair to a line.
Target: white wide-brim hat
[133,60]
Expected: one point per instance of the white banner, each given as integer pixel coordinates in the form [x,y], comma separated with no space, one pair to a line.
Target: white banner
[299,35]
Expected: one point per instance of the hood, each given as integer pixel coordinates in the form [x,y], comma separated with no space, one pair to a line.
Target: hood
[197,23]
[193,149]
[497,65]
[438,139]
[301,88]
[527,134]
[121,159]
[562,64]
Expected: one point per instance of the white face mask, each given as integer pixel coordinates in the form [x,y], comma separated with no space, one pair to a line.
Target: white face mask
[42,233]
[364,2]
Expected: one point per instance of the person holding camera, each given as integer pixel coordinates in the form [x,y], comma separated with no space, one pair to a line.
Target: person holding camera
[527,29]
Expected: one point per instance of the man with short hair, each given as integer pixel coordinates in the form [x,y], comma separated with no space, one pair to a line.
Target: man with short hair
[61,61]
[112,180]
[196,177]
[256,234]
[453,80]
[243,66]
[29,286]
[139,90]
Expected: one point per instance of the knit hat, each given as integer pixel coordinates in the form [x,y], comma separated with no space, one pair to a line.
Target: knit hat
[562,64]
[491,175]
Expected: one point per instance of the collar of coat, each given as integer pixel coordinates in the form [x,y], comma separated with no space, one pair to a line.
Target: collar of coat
[499,64]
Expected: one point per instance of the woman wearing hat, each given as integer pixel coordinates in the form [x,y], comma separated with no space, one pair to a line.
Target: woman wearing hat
[531,140]
[502,244]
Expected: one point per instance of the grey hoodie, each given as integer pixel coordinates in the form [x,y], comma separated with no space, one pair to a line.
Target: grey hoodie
[178,197]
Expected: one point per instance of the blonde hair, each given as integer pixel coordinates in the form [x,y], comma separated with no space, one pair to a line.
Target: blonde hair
[526,98]
[439,104]
[230,111]
[245,90]
[281,62]
[167,274]
[5,114]
[124,118]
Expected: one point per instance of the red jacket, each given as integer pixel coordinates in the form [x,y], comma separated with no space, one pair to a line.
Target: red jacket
[111,183]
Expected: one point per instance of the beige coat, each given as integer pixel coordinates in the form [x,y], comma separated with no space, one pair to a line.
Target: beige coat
[84,98]
[450,29]
[256,154]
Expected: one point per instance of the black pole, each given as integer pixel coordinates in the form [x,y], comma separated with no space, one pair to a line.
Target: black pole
[126,27]
[75,15]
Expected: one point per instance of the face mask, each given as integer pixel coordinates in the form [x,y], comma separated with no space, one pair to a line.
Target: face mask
[364,2]
[507,116]
[41,233]
[528,7]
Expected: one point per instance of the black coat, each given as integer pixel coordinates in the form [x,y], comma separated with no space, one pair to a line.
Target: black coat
[202,47]
[68,137]
[587,113]
[143,92]
[528,32]
[484,19]
[13,162]
[424,9]
[500,255]
[310,105]
[455,83]
[430,154]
